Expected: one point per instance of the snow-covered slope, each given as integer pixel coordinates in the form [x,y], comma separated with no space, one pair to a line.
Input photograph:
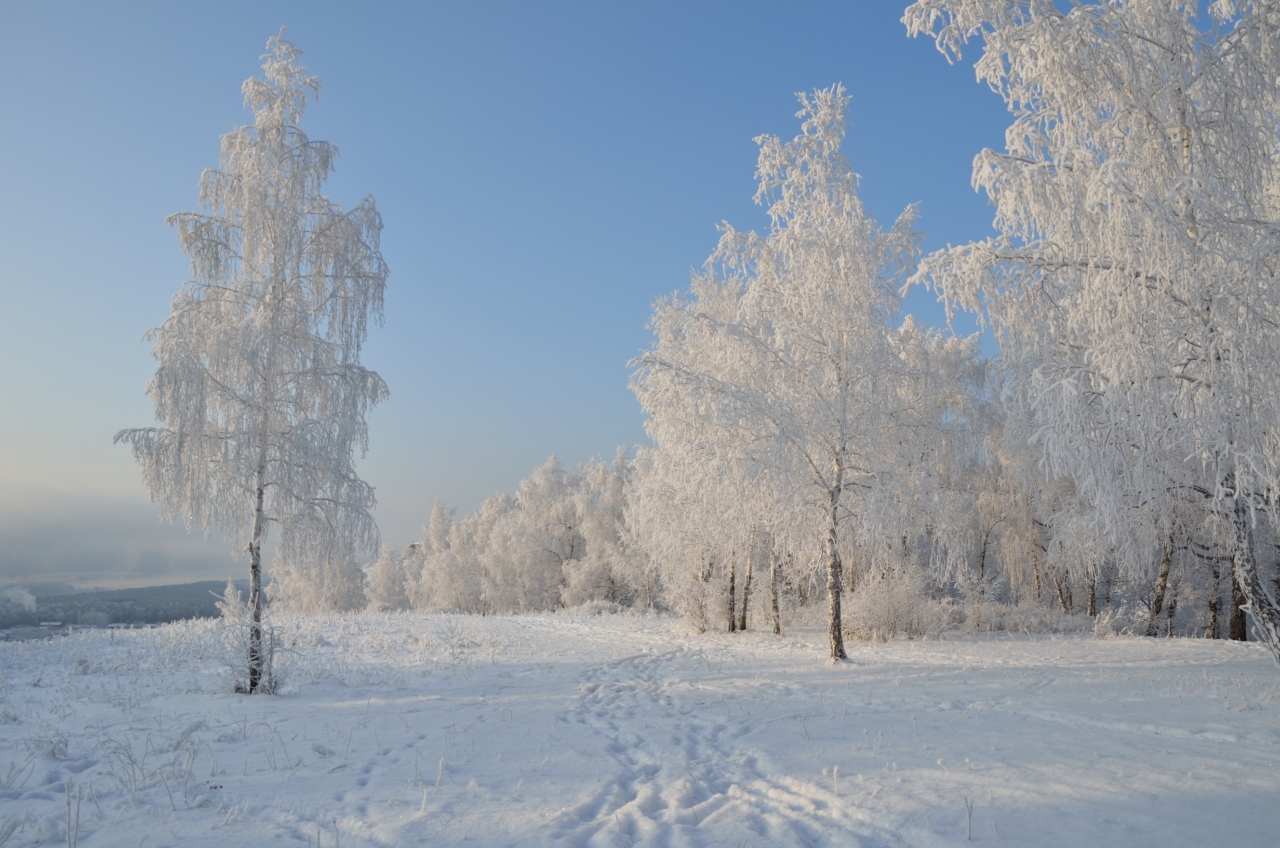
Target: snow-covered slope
[623,730]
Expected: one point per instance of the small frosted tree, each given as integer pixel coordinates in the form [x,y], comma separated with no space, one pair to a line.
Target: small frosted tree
[387,587]
[259,393]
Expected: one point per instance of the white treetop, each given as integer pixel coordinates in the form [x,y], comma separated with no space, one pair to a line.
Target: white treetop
[259,393]
[1132,286]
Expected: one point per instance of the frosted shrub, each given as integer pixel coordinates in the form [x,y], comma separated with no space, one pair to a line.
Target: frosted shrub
[592,609]
[1119,621]
[981,599]
[697,594]
[895,601]
[233,635]
[1033,619]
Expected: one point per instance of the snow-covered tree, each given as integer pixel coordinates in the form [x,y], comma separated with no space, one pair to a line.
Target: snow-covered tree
[545,536]
[559,542]
[782,340]
[386,583]
[690,513]
[926,495]
[435,577]
[1133,284]
[602,572]
[259,392]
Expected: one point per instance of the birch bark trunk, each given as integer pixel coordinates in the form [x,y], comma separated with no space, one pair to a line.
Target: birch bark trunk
[1162,583]
[733,620]
[1262,608]
[255,583]
[835,625]
[773,589]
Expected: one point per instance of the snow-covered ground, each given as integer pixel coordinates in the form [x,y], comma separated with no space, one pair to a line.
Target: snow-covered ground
[620,730]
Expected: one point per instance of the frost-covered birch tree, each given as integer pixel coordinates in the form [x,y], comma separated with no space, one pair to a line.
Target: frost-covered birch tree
[604,572]
[1132,285]
[782,341]
[259,392]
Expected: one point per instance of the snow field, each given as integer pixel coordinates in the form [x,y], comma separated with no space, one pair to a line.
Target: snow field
[618,730]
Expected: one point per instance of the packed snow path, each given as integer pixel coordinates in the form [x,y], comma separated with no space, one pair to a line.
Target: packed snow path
[628,730]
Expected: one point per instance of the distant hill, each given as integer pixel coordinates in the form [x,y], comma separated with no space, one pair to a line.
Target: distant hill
[151,605]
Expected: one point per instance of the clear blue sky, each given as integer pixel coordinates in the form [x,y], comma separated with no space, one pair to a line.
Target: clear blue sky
[544,172]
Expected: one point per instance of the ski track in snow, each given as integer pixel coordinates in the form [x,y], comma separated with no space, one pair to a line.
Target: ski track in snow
[628,730]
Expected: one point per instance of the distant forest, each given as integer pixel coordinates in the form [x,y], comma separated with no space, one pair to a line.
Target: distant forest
[151,605]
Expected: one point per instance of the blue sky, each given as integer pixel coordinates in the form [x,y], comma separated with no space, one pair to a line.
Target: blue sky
[544,172]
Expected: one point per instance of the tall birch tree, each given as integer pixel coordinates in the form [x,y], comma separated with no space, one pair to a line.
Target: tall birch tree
[783,339]
[1132,285]
[259,393]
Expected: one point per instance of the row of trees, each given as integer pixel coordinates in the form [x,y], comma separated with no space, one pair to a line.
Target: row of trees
[1126,435]
[992,546]
[558,542]
[803,432]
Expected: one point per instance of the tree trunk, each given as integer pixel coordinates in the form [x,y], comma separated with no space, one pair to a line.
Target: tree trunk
[1261,607]
[702,619]
[1275,578]
[746,589]
[1093,597]
[982,565]
[982,578]
[1237,631]
[1035,569]
[733,620]
[835,626]
[1215,600]
[1162,583]
[1062,583]
[773,588]
[256,657]
[1107,583]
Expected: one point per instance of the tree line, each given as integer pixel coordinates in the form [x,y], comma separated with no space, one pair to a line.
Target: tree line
[810,444]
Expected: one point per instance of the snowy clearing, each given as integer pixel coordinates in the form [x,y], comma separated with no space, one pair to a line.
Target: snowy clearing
[617,730]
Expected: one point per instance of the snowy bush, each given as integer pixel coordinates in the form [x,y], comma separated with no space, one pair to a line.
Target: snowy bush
[1120,620]
[895,602]
[233,636]
[1029,619]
